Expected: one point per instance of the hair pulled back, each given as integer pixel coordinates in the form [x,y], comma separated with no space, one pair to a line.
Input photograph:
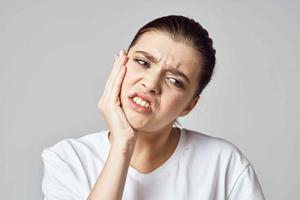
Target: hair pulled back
[188,31]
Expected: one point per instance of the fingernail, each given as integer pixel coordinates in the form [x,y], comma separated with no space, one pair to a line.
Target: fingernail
[121,52]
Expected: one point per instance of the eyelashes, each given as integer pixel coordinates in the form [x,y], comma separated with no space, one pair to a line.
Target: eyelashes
[145,64]
[142,62]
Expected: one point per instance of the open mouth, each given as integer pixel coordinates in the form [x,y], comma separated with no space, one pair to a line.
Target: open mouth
[140,105]
[142,102]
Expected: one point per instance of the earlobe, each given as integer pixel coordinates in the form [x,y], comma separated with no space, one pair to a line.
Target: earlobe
[190,106]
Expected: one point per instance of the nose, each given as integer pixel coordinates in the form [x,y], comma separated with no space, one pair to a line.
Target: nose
[151,84]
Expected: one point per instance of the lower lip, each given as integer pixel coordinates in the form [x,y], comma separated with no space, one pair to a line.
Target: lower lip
[136,107]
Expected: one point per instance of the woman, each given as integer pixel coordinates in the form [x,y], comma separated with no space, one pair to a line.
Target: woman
[142,155]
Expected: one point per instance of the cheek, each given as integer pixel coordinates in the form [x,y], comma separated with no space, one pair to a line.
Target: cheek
[172,104]
[132,74]
[129,79]
[129,76]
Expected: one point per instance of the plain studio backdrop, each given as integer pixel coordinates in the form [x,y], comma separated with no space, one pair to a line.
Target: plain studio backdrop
[56,57]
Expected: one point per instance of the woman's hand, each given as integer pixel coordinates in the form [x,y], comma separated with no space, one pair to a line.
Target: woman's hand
[121,131]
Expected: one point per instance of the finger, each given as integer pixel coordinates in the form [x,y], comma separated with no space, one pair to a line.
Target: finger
[119,59]
[118,84]
[122,53]
[116,71]
[112,72]
[108,81]
[122,117]
[107,87]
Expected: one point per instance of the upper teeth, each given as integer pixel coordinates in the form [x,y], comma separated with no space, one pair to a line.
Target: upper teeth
[141,102]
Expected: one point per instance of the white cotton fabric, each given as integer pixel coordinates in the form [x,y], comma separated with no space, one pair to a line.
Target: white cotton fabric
[202,167]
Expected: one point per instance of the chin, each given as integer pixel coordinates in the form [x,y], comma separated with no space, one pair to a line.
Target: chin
[136,120]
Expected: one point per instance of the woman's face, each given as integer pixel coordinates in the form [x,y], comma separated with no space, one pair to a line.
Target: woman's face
[169,81]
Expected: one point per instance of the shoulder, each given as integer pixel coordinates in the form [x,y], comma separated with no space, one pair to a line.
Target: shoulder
[70,148]
[72,165]
[224,161]
[217,149]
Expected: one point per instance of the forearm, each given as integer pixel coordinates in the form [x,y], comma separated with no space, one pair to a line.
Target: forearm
[110,183]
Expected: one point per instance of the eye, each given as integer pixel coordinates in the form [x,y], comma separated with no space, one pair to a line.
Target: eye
[142,62]
[177,83]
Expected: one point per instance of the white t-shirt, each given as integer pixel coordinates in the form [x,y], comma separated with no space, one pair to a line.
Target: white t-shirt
[202,167]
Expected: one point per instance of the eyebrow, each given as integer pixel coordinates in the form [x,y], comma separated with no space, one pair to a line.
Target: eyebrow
[173,70]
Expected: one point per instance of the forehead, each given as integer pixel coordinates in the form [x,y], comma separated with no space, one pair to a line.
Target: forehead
[168,52]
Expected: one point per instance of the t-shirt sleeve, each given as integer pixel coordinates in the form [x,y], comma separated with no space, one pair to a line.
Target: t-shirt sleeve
[59,179]
[247,186]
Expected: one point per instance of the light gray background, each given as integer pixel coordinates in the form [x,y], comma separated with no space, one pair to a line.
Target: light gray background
[56,57]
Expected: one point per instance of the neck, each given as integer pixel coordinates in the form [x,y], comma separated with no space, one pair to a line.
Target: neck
[153,148]
[150,145]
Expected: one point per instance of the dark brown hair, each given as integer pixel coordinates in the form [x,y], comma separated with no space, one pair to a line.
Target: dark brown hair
[188,31]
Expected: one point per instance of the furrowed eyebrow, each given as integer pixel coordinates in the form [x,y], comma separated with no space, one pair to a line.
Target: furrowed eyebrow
[172,70]
[179,73]
[148,56]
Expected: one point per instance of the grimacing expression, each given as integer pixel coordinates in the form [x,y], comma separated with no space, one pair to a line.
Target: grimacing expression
[167,72]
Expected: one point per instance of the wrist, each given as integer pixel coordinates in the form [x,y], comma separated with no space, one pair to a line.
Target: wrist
[125,148]
[125,144]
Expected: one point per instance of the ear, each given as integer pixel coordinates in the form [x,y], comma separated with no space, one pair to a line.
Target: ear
[189,107]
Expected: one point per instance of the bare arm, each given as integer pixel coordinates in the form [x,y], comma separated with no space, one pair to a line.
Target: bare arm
[110,183]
